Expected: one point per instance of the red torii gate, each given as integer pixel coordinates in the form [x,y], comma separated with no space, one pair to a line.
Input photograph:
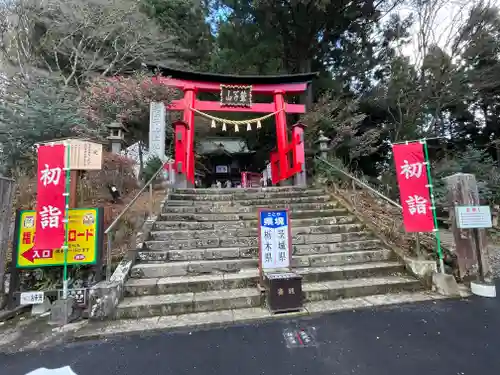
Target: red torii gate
[192,83]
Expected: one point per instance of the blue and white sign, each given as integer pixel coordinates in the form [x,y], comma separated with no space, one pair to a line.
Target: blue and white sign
[274,239]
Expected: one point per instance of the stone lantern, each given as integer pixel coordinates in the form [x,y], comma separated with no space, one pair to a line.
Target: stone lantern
[323,144]
[116,136]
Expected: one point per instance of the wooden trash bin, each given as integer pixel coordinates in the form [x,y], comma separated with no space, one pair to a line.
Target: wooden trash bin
[284,291]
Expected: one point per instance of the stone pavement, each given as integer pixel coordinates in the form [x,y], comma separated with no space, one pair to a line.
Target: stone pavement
[445,337]
[27,333]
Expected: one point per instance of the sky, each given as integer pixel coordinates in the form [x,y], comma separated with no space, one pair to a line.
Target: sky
[449,16]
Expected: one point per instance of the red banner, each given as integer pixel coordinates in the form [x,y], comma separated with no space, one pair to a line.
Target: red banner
[51,202]
[411,171]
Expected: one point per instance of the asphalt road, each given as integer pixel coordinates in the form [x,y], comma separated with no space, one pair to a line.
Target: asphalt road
[445,337]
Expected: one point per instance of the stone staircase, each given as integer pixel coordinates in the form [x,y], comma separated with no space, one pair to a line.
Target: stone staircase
[202,253]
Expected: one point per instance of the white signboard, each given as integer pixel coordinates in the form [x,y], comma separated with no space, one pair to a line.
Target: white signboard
[31,298]
[469,217]
[66,370]
[274,241]
[221,169]
[83,154]
[157,115]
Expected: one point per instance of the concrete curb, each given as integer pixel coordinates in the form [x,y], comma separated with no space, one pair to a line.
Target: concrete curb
[343,305]
[192,327]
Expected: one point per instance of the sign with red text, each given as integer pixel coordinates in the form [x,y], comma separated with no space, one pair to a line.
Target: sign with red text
[411,171]
[51,200]
[84,240]
[472,217]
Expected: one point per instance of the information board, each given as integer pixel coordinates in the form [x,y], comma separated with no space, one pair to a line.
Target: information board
[83,154]
[274,239]
[470,217]
[31,298]
[84,240]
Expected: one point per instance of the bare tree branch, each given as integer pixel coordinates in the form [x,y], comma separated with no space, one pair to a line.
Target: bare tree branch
[81,37]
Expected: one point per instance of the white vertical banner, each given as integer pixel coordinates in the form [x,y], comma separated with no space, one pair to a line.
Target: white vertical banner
[274,239]
[157,118]
[269,171]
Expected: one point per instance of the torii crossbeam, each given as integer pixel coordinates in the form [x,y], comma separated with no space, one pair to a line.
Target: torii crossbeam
[236,96]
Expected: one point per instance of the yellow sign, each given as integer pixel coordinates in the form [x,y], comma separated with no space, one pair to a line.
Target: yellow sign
[83,240]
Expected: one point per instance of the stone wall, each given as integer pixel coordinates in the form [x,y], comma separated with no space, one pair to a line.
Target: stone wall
[106,295]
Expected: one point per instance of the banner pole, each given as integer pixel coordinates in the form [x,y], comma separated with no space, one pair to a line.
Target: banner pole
[66,222]
[433,208]
[416,140]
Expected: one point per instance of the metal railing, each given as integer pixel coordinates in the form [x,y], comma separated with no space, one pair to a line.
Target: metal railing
[361,183]
[110,230]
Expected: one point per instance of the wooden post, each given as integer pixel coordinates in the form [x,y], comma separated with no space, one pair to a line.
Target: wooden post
[6,196]
[462,191]
[73,188]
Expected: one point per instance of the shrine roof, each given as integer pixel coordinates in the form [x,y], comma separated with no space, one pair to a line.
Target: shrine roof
[230,145]
[232,79]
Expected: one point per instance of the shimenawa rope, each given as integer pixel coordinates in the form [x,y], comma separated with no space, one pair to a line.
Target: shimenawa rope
[236,122]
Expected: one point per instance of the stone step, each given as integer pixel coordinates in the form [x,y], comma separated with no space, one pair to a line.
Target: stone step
[332,290]
[296,214]
[185,284]
[227,225]
[152,270]
[157,235]
[191,200]
[225,242]
[325,248]
[350,271]
[221,299]
[198,254]
[251,251]
[199,267]
[219,209]
[269,192]
[184,303]
[343,258]
[249,278]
